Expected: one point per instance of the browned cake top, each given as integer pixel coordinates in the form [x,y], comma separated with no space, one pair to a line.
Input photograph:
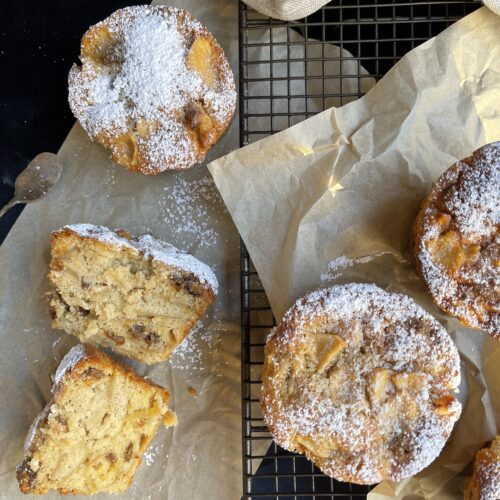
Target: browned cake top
[457,240]
[485,481]
[154,87]
[149,247]
[359,380]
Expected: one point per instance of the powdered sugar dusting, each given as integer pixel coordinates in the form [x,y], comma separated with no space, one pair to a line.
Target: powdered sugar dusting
[150,247]
[189,355]
[469,194]
[335,266]
[189,207]
[70,360]
[475,203]
[333,416]
[153,452]
[487,471]
[144,79]
[73,356]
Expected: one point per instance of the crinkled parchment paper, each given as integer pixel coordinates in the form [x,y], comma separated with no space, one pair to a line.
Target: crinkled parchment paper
[332,199]
[201,457]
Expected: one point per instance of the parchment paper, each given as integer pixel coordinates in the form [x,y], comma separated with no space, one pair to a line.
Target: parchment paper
[332,200]
[201,457]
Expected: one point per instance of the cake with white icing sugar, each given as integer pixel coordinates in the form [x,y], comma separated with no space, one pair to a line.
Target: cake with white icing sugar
[360,381]
[138,296]
[154,87]
[457,240]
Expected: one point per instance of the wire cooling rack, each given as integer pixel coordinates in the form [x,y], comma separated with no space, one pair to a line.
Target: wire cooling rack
[288,72]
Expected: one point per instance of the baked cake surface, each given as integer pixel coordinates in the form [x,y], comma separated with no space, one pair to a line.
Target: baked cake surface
[154,87]
[457,240]
[91,435]
[137,296]
[485,481]
[359,380]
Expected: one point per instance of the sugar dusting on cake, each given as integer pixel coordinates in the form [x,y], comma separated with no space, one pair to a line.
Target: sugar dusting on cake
[383,331]
[470,193]
[147,79]
[150,248]
[475,202]
[487,471]
[73,356]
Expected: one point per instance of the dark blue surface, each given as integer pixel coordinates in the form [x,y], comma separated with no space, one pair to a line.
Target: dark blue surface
[39,41]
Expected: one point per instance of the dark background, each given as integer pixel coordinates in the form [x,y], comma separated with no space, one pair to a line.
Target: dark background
[39,41]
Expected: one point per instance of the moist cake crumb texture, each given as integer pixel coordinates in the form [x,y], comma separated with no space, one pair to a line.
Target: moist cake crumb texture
[138,296]
[91,435]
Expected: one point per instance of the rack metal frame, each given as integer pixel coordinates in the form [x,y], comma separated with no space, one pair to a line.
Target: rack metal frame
[372,35]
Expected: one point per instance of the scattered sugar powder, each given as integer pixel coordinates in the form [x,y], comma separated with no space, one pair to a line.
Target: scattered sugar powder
[152,453]
[191,207]
[191,354]
[487,472]
[145,78]
[475,202]
[336,266]
[333,266]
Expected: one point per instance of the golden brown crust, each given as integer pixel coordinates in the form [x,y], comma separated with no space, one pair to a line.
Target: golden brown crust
[176,97]
[83,367]
[95,358]
[359,381]
[485,481]
[138,296]
[456,240]
[62,240]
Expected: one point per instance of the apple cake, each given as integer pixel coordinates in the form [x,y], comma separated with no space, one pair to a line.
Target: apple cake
[154,87]
[485,481]
[360,380]
[457,240]
[91,435]
[138,296]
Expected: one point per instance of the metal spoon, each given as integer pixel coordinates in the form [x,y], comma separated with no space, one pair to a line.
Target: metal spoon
[36,180]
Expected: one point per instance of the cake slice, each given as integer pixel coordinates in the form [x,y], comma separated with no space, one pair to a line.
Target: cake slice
[91,435]
[138,296]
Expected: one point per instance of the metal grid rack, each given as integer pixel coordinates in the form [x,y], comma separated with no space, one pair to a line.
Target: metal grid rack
[288,72]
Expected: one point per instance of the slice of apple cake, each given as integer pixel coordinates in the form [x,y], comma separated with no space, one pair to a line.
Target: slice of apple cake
[91,435]
[138,296]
